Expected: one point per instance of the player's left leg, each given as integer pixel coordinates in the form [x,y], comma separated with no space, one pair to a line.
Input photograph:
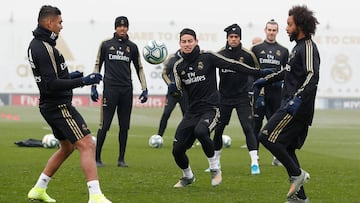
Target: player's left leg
[245,116]
[204,126]
[225,115]
[124,108]
[301,193]
[280,132]
[183,140]
[272,104]
[107,111]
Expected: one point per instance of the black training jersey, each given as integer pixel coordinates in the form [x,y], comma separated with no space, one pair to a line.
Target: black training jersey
[49,69]
[117,54]
[168,73]
[271,55]
[197,73]
[301,77]
[236,84]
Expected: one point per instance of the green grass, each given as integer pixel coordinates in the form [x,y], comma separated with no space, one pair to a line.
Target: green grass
[331,154]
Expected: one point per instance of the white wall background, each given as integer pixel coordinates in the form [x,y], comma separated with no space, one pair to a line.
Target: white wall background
[87,23]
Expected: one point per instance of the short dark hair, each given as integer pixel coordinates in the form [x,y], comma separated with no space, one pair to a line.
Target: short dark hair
[46,11]
[188,31]
[304,18]
[272,22]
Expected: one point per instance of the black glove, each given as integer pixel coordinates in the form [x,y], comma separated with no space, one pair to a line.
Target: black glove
[144,96]
[293,105]
[173,90]
[93,78]
[260,102]
[94,94]
[76,74]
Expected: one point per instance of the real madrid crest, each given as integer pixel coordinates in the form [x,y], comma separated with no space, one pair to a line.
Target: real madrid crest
[200,65]
[128,49]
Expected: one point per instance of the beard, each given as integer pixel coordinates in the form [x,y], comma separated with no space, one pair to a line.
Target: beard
[293,36]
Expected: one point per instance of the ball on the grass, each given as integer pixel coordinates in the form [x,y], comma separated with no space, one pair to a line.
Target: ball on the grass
[156,141]
[49,141]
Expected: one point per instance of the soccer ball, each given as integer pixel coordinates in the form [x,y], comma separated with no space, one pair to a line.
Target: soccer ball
[226,141]
[156,141]
[49,141]
[155,52]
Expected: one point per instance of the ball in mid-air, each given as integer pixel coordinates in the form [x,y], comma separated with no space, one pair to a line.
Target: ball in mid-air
[155,52]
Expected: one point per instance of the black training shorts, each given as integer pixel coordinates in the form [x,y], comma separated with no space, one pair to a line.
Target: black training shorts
[65,122]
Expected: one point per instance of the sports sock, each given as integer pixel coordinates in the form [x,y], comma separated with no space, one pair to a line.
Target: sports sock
[218,155]
[254,157]
[43,181]
[188,172]
[94,187]
[213,162]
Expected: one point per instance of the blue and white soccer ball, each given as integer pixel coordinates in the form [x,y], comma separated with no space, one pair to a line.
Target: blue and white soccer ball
[155,52]
[49,141]
[226,139]
[156,141]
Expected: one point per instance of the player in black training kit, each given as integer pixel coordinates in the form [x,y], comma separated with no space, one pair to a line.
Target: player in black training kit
[234,90]
[287,129]
[55,86]
[195,73]
[270,54]
[168,76]
[117,53]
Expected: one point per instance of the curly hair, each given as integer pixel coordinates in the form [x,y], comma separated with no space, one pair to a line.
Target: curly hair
[304,18]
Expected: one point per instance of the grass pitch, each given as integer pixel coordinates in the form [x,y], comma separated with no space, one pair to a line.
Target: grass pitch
[331,155]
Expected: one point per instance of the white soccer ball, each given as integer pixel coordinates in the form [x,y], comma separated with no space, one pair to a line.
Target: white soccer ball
[226,141]
[155,52]
[49,141]
[156,141]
